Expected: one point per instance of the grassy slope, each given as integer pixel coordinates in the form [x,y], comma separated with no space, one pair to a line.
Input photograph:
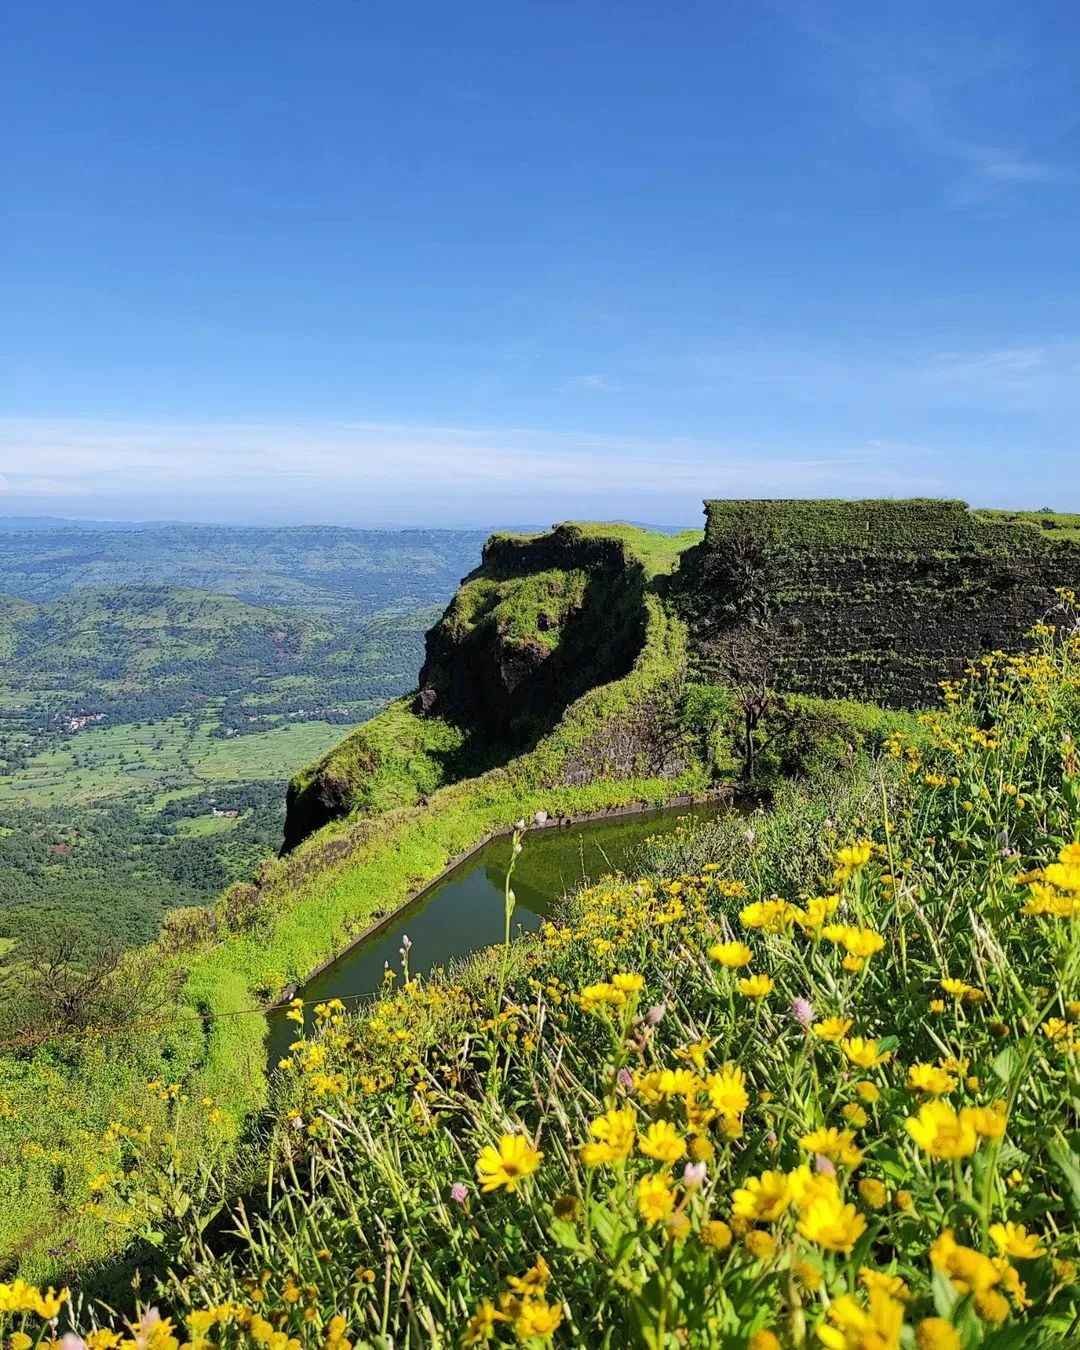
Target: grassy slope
[310,902]
[1056,525]
[401,1104]
[397,757]
[330,886]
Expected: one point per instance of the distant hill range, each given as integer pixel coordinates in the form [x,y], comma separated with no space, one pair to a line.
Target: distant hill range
[127,653]
[325,570]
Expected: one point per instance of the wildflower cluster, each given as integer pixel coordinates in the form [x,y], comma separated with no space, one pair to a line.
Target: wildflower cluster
[712,1109]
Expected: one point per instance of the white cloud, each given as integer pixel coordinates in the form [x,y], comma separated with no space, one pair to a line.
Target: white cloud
[413,472]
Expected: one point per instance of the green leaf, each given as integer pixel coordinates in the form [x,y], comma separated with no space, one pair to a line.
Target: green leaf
[945,1296]
[892,1163]
[1066,1160]
[566,1235]
[1005,1064]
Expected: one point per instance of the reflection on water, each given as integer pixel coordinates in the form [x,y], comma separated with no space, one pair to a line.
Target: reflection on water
[464,909]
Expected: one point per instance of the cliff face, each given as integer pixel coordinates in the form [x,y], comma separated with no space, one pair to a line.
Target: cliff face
[541,621]
[538,623]
[876,601]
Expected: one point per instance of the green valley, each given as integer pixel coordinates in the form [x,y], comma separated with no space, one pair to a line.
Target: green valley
[147,728]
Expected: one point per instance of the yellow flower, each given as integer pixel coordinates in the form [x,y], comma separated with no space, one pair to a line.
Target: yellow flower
[727,1090]
[987,1121]
[970,1271]
[730,954]
[934,1333]
[817,912]
[833,1143]
[929,1078]
[663,1142]
[481,1325]
[771,916]
[1065,876]
[861,942]
[854,856]
[595,998]
[832,1224]
[614,1133]
[872,1193]
[939,1131]
[536,1319]
[957,988]
[760,1244]
[660,1083]
[892,1285]
[763,1340]
[808,1275]
[628,983]
[805,1186]
[832,1028]
[756,986]
[852,1327]
[992,1306]
[47,1305]
[868,1092]
[763,1198]
[1013,1239]
[654,1198]
[863,1053]
[508,1165]
[716,1234]
[855,1115]
[702,1149]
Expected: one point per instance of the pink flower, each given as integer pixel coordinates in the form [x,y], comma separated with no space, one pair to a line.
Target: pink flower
[824,1165]
[694,1175]
[625,1079]
[802,1010]
[459,1192]
[655,1015]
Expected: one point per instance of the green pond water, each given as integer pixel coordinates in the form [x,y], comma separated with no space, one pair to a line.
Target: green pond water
[463,910]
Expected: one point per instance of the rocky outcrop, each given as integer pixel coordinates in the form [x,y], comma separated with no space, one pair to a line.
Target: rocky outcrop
[539,622]
[877,601]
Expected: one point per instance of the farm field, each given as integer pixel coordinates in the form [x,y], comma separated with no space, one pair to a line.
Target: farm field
[177,753]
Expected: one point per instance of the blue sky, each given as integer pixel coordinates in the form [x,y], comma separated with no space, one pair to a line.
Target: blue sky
[392,263]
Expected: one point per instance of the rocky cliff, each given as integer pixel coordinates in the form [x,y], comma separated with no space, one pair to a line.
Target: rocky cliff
[876,601]
[540,622]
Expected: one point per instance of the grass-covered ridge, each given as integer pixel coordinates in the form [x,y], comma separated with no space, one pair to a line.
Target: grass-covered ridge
[811,1083]
[616,743]
[541,621]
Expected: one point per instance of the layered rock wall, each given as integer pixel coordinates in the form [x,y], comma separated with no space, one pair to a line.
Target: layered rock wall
[874,600]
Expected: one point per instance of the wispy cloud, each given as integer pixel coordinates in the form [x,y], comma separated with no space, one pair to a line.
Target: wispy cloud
[916,104]
[414,474]
[940,93]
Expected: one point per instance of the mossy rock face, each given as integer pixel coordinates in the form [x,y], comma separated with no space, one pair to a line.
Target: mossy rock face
[542,620]
[876,601]
[537,624]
